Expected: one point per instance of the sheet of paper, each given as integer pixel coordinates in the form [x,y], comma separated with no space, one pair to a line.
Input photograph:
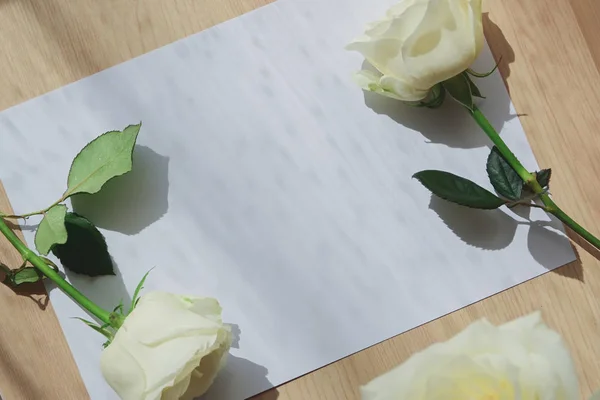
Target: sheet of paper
[265,178]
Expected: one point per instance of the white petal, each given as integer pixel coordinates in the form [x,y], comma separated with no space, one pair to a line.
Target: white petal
[205,306]
[399,8]
[407,380]
[366,79]
[204,375]
[379,52]
[402,25]
[443,45]
[375,29]
[388,86]
[477,15]
[161,343]
[176,319]
[177,390]
[401,89]
[382,43]
[122,372]
[369,81]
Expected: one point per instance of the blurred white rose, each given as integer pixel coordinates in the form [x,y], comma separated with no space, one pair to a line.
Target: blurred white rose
[418,44]
[170,347]
[523,359]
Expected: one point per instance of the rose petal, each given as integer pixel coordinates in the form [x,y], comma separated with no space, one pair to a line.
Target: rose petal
[122,372]
[442,46]
[401,89]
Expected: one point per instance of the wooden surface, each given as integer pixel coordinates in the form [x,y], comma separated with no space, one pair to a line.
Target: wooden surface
[551,59]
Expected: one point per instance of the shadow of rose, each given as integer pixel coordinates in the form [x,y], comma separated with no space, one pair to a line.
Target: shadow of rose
[449,124]
[501,49]
[240,377]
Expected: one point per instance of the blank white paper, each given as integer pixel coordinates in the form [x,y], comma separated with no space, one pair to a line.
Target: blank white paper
[265,178]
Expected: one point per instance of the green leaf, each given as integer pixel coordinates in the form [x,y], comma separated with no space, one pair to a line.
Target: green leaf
[503,177]
[436,98]
[458,190]
[474,89]
[52,229]
[97,328]
[85,251]
[16,277]
[458,87]
[119,308]
[138,289]
[26,275]
[543,177]
[104,158]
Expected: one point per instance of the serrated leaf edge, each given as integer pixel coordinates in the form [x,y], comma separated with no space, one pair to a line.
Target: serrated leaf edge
[68,193]
[458,202]
[500,191]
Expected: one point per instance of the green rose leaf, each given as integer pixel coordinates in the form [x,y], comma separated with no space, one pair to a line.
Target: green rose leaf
[136,294]
[459,88]
[26,275]
[458,190]
[19,276]
[503,177]
[85,251]
[543,177]
[103,330]
[474,89]
[51,230]
[107,156]
[435,99]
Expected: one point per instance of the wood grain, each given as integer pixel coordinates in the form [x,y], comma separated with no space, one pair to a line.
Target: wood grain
[551,56]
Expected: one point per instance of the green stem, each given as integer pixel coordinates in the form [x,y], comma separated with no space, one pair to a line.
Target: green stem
[65,286]
[555,210]
[530,179]
[39,212]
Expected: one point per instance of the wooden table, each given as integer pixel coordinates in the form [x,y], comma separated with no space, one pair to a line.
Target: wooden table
[551,60]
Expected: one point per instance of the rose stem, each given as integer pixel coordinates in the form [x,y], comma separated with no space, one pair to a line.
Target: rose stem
[530,178]
[37,262]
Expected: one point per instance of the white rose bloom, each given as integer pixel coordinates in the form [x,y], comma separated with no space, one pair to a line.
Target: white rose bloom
[418,44]
[523,359]
[170,347]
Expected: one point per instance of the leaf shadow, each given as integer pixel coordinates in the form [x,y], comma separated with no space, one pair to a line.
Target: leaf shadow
[106,291]
[130,203]
[488,230]
[34,291]
[540,235]
[495,230]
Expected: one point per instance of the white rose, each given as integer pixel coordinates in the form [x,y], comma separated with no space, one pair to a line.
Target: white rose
[170,347]
[418,44]
[523,359]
